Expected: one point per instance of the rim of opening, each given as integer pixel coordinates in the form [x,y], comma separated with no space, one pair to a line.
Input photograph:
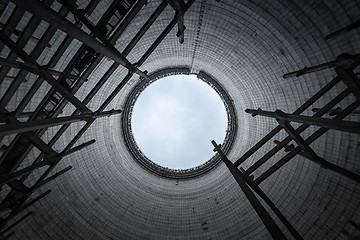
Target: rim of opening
[164,171]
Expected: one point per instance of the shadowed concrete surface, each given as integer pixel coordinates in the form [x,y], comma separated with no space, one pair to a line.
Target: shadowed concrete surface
[246,47]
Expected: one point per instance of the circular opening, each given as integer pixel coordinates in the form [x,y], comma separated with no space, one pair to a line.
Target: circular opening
[165,169]
[174,120]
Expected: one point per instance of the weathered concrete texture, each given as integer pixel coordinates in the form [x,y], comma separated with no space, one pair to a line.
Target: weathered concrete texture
[247,46]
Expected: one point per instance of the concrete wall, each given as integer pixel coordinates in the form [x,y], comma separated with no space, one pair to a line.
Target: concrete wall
[247,46]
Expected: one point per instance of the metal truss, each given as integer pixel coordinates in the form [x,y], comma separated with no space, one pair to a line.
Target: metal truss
[97,43]
[344,67]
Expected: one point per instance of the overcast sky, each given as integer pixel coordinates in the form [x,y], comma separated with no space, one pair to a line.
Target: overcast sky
[174,120]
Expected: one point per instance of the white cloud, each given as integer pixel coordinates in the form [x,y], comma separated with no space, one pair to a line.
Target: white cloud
[175,119]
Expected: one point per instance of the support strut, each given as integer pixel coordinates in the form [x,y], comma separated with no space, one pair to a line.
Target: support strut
[265,217]
[49,15]
[20,127]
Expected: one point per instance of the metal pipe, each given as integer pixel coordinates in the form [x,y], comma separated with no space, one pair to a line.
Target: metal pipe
[44,12]
[20,127]
[341,125]
[265,217]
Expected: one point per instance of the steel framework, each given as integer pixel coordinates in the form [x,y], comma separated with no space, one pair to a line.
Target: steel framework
[344,67]
[97,42]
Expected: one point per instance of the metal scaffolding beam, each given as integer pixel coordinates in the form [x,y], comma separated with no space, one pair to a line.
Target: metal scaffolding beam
[322,162]
[8,177]
[343,30]
[145,27]
[44,73]
[28,67]
[341,125]
[300,129]
[344,60]
[20,127]
[350,79]
[44,12]
[277,129]
[20,209]
[179,7]
[309,140]
[265,217]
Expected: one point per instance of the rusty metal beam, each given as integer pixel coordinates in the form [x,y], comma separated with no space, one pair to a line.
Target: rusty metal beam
[20,209]
[15,223]
[270,203]
[161,37]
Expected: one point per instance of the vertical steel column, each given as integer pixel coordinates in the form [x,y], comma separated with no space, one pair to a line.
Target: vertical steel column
[265,217]
[44,12]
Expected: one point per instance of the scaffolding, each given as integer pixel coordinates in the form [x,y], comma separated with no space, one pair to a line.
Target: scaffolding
[97,42]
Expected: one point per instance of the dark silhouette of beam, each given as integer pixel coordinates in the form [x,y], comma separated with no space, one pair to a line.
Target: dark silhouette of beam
[265,217]
[20,127]
[44,12]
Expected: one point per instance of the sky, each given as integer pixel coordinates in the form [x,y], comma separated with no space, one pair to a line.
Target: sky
[174,120]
